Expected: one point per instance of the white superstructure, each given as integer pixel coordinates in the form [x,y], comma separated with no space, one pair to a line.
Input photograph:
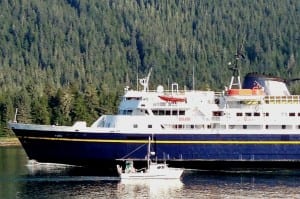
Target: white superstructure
[233,109]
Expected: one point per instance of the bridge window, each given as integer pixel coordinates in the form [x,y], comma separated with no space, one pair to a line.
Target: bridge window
[133,98]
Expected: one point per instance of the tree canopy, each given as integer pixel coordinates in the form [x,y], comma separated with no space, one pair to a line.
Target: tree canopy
[69,60]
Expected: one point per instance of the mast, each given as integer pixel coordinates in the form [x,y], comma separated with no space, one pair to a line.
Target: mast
[145,81]
[235,81]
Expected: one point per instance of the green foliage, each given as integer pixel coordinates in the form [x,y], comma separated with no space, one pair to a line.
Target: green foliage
[66,60]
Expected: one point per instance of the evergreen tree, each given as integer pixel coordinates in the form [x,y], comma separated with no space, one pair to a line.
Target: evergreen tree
[47,47]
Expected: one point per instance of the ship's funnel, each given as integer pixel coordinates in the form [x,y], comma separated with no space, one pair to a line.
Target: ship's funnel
[272,85]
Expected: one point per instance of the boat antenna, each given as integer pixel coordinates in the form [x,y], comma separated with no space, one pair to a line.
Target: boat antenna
[235,78]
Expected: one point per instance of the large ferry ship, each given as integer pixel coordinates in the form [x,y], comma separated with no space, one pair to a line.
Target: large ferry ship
[246,126]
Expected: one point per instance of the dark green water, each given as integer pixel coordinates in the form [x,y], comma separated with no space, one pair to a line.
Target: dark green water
[19,180]
[12,167]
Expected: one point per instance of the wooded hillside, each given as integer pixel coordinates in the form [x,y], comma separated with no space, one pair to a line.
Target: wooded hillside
[66,60]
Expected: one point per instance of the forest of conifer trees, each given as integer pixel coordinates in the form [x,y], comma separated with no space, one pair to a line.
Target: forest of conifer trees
[68,60]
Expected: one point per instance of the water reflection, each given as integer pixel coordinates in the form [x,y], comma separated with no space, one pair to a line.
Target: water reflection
[57,180]
[150,188]
[18,179]
[195,184]
[12,161]
[254,184]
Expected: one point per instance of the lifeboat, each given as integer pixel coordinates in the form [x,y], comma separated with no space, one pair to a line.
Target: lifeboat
[253,91]
[170,98]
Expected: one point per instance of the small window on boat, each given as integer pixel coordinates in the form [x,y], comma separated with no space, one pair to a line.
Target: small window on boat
[298,126]
[283,126]
[135,126]
[267,126]
[292,114]
[266,114]
[248,114]
[256,114]
[150,126]
[181,112]
[178,126]
[161,112]
[133,98]
[209,126]
[199,126]
[244,126]
[126,112]
[217,113]
[168,112]
[174,112]
[155,112]
[239,114]
[189,126]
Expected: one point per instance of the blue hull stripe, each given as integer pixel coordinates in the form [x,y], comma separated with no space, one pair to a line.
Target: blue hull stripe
[166,141]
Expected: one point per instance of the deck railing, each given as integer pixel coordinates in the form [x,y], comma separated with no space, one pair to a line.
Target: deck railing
[290,99]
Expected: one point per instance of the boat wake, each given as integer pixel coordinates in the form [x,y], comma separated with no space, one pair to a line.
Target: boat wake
[35,167]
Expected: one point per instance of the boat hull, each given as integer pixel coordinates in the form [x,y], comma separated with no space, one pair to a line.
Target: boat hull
[194,151]
[138,176]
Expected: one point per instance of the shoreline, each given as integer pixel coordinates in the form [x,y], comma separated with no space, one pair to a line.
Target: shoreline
[9,141]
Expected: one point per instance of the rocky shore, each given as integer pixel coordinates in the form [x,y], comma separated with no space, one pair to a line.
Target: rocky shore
[9,142]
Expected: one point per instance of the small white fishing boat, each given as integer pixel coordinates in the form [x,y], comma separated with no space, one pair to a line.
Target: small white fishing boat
[154,170]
